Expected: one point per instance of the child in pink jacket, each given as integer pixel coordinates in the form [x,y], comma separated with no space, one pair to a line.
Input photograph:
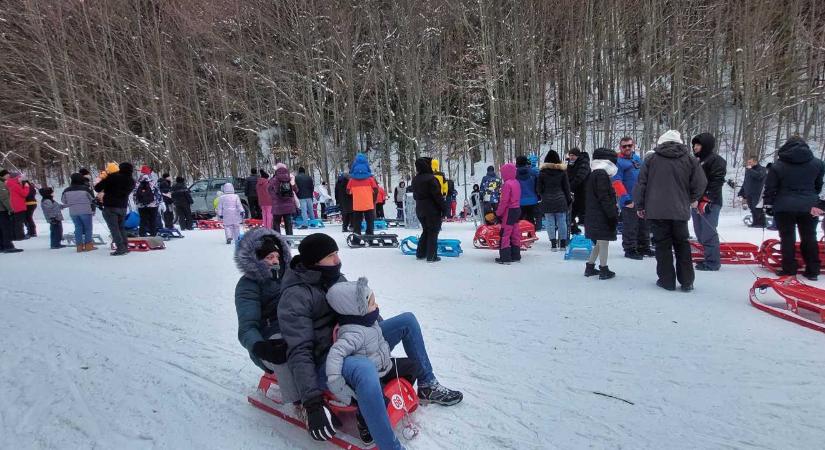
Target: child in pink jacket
[230,210]
[508,213]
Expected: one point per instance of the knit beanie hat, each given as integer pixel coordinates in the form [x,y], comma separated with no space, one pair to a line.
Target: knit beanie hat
[179,180]
[605,153]
[522,161]
[112,167]
[269,243]
[552,157]
[670,136]
[316,247]
[46,192]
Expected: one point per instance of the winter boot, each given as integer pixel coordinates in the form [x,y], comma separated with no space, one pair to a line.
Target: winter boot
[515,254]
[605,273]
[363,431]
[434,259]
[81,248]
[554,245]
[90,247]
[590,270]
[632,254]
[563,245]
[228,241]
[648,252]
[504,256]
[439,395]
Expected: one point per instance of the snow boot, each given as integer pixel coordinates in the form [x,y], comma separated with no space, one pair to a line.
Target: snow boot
[648,252]
[515,254]
[662,285]
[434,259]
[563,245]
[81,248]
[504,256]
[605,273]
[632,254]
[90,247]
[590,270]
[554,245]
[228,241]
[439,395]
[363,431]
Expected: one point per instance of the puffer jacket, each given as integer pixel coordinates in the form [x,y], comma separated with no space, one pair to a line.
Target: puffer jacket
[554,188]
[5,200]
[155,192]
[628,174]
[490,186]
[714,166]
[17,194]
[670,180]
[230,206]
[352,299]
[181,195]
[360,169]
[52,210]
[429,204]
[281,205]
[77,198]
[510,191]
[795,180]
[342,197]
[305,185]
[262,189]
[363,193]
[258,291]
[601,214]
[117,187]
[577,173]
[306,322]
[527,177]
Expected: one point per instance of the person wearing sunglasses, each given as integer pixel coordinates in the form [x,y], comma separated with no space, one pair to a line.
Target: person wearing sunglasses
[635,232]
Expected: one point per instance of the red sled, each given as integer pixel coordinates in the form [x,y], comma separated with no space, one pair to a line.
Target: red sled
[771,255]
[253,223]
[209,224]
[801,304]
[402,402]
[730,252]
[143,244]
[489,236]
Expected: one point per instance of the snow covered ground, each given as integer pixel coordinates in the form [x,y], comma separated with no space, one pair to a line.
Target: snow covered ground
[141,352]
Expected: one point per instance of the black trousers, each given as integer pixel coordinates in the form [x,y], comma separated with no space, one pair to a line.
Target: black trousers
[757,214]
[184,216]
[31,228]
[346,221]
[367,216]
[254,207]
[428,241]
[115,218]
[148,221]
[379,210]
[323,210]
[787,224]
[18,221]
[528,213]
[671,237]
[276,223]
[6,231]
[635,232]
[168,217]
[399,210]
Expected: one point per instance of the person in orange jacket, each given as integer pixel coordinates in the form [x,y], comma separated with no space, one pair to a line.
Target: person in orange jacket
[364,189]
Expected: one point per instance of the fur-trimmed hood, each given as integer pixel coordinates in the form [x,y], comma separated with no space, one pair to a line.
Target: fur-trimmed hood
[552,166]
[249,264]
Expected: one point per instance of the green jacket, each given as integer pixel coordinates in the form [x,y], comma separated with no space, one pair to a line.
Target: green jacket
[5,200]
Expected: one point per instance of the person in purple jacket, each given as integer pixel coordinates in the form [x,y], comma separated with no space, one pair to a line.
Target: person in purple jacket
[508,214]
[282,195]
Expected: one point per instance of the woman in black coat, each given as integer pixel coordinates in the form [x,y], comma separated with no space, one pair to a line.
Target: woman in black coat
[553,187]
[601,213]
[429,207]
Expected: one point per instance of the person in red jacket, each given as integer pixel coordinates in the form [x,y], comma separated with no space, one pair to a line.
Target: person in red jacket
[379,202]
[508,214]
[17,197]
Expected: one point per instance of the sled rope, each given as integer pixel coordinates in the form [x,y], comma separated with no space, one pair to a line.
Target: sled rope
[729,248]
[410,429]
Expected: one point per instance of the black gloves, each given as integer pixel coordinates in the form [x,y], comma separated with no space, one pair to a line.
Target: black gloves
[273,350]
[319,419]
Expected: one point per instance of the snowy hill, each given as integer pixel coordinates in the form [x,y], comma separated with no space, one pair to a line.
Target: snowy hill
[141,352]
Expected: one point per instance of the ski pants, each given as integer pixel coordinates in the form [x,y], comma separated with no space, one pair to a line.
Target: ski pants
[232,230]
[82,229]
[635,232]
[367,216]
[184,216]
[55,233]
[31,228]
[360,374]
[787,223]
[148,221]
[704,225]
[115,219]
[671,236]
[510,232]
[266,215]
[428,241]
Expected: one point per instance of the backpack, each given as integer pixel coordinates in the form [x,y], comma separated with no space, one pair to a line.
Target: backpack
[284,189]
[144,194]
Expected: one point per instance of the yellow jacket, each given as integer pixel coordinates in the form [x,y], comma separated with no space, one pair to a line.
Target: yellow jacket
[440,177]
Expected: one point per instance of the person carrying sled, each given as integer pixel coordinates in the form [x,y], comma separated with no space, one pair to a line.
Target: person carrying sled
[307,321]
[429,208]
[230,211]
[669,182]
[706,213]
[359,334]
[282,196]
[364,189]
[554,189]
[116,186]
[508,214]
[751,191]
[635,232]
[792,197]
[601,215]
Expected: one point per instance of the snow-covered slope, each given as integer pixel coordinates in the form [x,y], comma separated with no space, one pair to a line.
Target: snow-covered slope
[141,352]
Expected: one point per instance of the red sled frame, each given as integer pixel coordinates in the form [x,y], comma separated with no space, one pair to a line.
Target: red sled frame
[771,255]
[209,224]
[730,252]
[489,236]
[797,296]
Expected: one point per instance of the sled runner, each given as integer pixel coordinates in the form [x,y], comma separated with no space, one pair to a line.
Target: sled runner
[771,256]
[143,244]
[402,400]
[489,236]
[395,223]
[69,238]
[799,303]
[578,245]
[293,241]
[372,240]
[730,252]
[311,223]
[209,224]
[253,223]
[454,219]
[169,233]
[445,247]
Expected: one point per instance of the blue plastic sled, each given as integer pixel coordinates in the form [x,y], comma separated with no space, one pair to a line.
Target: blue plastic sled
[446,247]
[311,223]
[579,245]
[376,225]
[132,220]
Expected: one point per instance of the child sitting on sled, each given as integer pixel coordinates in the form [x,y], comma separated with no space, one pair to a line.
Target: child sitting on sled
[359,334]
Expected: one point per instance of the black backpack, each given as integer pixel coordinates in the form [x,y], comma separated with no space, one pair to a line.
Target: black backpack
[285,189]
[144,194]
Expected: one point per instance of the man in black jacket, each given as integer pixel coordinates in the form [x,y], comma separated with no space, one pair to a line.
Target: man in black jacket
[706,214]
[751,191]
[165,187]
[792,191]
[251,192]
[344,200]
[182,198]
[307,322]
[116,189]
[578,169]
[429,207]
[306,189]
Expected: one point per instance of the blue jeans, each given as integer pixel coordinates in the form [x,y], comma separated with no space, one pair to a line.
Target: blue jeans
[705,228]
[361,374]
[557,222]
[55,233]
[82,229]
[306,209]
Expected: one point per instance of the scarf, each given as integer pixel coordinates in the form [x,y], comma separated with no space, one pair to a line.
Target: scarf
[365,321]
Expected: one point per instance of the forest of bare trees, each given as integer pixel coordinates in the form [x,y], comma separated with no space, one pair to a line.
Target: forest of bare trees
[212,87]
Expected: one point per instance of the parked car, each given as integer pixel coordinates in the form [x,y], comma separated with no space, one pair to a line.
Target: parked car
[205,191]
